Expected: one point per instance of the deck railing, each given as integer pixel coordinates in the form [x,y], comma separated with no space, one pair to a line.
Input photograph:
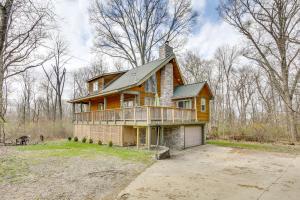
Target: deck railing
[147,114]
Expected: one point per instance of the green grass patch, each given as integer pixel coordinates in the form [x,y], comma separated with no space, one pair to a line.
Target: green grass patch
[71,149]
[257,146]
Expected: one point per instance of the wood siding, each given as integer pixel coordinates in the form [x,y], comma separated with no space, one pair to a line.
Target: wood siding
[203,116]
[105,133]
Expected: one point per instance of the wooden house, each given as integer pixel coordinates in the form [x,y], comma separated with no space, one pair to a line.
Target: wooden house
[144,106]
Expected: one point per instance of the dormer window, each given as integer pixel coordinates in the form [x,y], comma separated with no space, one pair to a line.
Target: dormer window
[151,84]
[95,86]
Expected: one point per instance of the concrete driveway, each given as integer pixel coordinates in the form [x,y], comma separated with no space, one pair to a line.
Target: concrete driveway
[211,172]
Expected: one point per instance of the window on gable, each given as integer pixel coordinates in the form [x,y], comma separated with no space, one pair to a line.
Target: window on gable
[151,84]
[203,104]
[95,86]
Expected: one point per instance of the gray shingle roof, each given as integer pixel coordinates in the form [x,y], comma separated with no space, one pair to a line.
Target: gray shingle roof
[136,75]
[190,90]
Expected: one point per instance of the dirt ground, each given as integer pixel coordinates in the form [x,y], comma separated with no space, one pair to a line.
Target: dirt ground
[97,177]
[212,173]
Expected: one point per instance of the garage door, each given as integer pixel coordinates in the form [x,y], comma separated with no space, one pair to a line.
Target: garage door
[192,136]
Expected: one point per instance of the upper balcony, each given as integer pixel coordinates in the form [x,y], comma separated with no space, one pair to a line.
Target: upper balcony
[139,116]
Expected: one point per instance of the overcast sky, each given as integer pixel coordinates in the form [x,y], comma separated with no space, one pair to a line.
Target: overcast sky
[207,35]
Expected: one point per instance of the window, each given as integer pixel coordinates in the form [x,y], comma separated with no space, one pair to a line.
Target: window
[203,104]
[149,101]
[186,104]
[151,84]
[128,103]
[100,106]
[95,86]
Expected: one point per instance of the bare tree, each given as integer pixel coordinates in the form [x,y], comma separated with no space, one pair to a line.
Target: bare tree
[244,89]
[196,68]
[22,29]
[227,59]
[272,30]
[57,75]
[97,67]
[130,29]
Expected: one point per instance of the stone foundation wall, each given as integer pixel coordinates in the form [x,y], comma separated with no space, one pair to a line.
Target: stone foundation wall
[174,137]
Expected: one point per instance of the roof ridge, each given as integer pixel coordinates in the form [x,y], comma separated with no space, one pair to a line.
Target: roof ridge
[194,83]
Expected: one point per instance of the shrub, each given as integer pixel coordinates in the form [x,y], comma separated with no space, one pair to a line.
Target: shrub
[99,142]
[83,140]
[110,144]
[91,141]
[75,139]
[69,138]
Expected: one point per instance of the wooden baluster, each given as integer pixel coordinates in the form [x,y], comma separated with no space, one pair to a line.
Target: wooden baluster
[134,115]
[162,114]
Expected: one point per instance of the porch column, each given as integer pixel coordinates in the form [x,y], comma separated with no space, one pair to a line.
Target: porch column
[81,109]
[105,103]
[73,111]
[148,135]
[137,137]
[90,105]
[121,100]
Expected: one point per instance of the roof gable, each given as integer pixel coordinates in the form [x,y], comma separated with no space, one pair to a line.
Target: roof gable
[137,75]
[190,90]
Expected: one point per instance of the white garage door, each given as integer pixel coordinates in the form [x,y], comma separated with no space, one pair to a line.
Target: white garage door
[193,136]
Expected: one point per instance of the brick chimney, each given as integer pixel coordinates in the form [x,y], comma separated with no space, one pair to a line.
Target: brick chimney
[165,50]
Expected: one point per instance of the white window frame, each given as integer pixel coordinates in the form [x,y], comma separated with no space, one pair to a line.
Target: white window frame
[95,86]
[203,104]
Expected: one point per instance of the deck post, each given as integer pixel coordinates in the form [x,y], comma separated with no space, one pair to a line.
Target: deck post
[148,137]
[173,115]
[137,137]
[114,116]
[93,117]
[148,115]
[73,111]
[162,135]
[195,108]
[81,109]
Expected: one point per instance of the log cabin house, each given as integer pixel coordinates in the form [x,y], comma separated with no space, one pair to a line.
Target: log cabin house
[144,106]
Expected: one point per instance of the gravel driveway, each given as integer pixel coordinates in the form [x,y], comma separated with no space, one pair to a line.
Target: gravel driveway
[24,176]
[210,172]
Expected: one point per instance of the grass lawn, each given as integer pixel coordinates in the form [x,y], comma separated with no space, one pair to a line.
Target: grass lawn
[257,146]
[65,148]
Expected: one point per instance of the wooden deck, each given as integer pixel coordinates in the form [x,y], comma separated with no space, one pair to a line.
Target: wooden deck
[144,115]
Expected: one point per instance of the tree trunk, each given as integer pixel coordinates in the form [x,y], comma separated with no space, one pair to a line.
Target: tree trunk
[291,119]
